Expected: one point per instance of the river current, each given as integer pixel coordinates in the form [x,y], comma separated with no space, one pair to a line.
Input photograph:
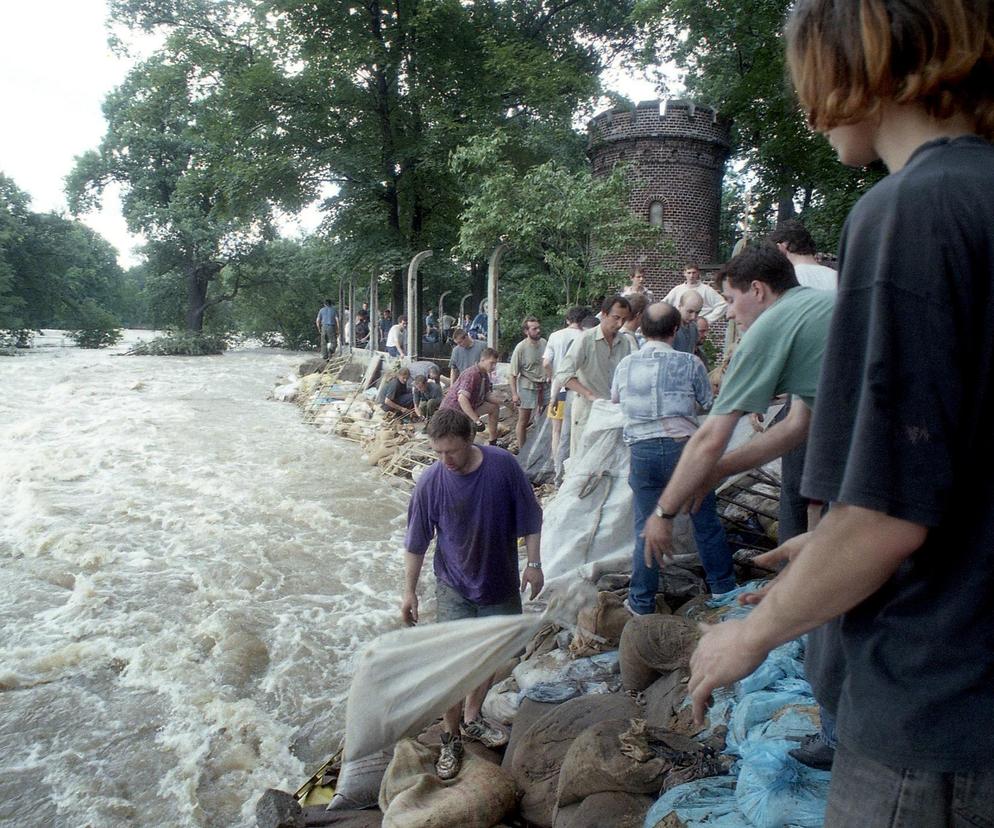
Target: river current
[188,573]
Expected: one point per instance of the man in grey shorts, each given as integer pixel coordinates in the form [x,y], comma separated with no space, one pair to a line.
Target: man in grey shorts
[528,387]
[476,501]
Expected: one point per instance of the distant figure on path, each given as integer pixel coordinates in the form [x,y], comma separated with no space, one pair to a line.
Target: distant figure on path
[397,338]
[528,388]
[327,325]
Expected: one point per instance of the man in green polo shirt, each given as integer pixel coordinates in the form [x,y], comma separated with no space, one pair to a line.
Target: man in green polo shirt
[785,330]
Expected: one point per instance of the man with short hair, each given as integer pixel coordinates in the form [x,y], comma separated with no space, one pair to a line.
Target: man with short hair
[527,376]
[713,304]
[794,241]
[385,323]
[588,367]
[637,286]
[472,393]
[397,338]
[427,396]
[397,396]
[785,328]
[327,325]
[559,343]
[465,353]
[689,305]
[476,502]
[637,304]
[660,391]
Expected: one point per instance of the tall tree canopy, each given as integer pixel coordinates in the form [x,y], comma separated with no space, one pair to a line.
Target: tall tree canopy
[54,272]
[252,105]
[733,54]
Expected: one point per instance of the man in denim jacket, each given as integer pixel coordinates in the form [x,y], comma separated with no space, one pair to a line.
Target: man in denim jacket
[660,391]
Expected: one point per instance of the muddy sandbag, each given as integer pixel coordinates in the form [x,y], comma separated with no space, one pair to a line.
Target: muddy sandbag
[680,584]
[619,810]
[413,795]
[540,750]
[529,712]
[664,697]
[654,645]
[598,628]
[627,755]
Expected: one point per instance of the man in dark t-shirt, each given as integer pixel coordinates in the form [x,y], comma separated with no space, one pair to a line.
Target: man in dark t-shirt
[476,502]
[901,438]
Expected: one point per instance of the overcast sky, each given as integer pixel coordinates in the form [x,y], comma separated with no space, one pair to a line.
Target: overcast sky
[55,70]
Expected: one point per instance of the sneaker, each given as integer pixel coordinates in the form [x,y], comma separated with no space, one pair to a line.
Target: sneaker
[628,607]
[814,753]
[480,730]
[450,757]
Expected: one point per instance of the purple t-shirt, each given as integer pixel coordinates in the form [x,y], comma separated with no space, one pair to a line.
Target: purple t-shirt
[479,517]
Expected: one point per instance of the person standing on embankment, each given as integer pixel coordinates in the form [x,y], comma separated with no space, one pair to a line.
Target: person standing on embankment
[476,501]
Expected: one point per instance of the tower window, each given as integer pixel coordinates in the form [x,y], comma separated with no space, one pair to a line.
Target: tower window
[656,213]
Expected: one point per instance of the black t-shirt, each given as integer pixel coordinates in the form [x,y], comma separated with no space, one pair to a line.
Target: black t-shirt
[904,426]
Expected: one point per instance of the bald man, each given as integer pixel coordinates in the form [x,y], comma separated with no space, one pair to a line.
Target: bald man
[689,305]
[661,391]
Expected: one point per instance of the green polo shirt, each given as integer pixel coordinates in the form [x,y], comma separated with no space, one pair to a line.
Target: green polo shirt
[781,353]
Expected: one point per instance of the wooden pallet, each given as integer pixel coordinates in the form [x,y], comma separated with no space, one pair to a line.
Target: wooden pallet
[329,376]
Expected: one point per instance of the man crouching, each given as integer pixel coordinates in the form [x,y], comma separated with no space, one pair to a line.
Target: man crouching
[476,501]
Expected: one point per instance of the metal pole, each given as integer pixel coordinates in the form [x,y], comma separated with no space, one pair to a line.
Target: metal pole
[352,314]
[493,276]
[341,316]
[374,313]
[412,303]
[462,309]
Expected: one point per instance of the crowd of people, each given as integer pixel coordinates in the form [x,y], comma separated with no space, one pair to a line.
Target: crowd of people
[887,558]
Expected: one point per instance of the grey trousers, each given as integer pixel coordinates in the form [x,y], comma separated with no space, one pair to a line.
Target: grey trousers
[866,794]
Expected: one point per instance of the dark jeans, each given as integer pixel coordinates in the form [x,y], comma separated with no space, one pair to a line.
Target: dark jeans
[867,794]
[454,607]
[653,462]
[793,511]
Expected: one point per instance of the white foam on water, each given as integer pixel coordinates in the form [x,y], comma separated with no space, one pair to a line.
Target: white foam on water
[189,572]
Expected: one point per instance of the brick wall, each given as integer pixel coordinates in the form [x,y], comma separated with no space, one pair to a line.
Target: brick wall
[674,154]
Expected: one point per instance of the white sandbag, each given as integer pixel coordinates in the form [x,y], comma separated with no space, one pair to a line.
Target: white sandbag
[502,701]
[588,528]
[408,677]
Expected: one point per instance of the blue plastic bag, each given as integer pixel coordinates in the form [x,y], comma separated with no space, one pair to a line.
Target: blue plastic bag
[774,790]
[709,802]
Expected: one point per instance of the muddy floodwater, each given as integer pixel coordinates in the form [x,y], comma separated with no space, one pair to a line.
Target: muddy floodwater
[188,573]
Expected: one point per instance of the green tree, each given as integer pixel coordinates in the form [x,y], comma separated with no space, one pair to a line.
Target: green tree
[196,147]
[555,219]
[733,55]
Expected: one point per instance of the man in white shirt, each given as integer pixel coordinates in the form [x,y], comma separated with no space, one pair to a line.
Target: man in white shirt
[397,338]
[713,302]
[559,343]
[795,242]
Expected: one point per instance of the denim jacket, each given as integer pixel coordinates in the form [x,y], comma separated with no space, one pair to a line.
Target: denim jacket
[656,383]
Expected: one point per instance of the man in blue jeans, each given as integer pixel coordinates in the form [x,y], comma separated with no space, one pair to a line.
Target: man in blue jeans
[660,391]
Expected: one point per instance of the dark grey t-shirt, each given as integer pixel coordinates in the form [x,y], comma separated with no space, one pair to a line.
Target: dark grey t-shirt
[464,358]
[904,426]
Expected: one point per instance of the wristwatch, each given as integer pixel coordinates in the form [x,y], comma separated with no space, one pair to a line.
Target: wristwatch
[534,565]
[659,513]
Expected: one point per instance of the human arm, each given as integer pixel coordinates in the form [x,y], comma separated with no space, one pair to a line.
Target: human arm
[532,576]
[699,457]
[467,407]
[409,602]
[714,304]
[846,559]
[575,385]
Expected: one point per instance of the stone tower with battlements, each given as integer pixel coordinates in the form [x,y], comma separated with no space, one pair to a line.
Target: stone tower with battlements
[674,153]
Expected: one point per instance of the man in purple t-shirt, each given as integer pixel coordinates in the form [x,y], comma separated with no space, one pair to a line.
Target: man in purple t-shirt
[477,502]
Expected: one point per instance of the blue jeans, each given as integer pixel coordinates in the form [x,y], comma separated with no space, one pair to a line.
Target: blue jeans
[653,462]
[828,734]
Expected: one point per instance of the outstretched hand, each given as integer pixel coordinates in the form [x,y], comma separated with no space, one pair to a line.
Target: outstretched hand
[775,560]
[722,657]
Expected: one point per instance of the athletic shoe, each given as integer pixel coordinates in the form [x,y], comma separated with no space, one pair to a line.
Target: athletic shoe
[480,730]
[450,758]
[814,753]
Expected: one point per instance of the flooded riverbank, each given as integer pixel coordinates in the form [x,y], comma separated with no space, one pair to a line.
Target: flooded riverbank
[189,572]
